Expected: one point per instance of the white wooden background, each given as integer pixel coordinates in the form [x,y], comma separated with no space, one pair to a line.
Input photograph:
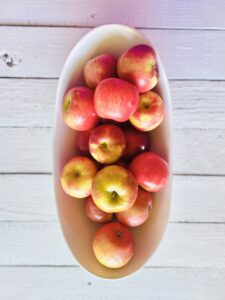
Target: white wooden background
[37,35]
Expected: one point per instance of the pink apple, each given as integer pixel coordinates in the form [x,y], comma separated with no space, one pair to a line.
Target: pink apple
[98,68]
[113,245]
[82,142]
[150,112]
[96,214]
[116,99]
[139,212]
[77,176]
[138,66]
[136,142]
[78,109]
[150,171]
[107,143]
[114,189]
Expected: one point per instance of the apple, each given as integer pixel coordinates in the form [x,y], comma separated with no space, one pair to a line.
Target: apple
[77,176]
[107,143]
[136,142]
[82,142]
[138,66]
[116,99]
[98,68]
[139,212]
[150,112]
[96,214]
[150,171]
[114,189]
[78,109]
[113,245]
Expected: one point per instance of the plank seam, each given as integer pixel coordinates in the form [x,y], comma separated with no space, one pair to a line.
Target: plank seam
[36,25]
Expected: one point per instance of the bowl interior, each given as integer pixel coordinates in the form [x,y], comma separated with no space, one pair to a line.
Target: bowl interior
[77,228]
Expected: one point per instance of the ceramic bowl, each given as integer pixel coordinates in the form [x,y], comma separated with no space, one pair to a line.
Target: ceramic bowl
[78,230]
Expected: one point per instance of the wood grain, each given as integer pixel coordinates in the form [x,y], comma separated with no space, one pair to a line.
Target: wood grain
[41,243]
[30,103]
[73,283]
[29,150]
[138,13]
[27,197]
[186,54]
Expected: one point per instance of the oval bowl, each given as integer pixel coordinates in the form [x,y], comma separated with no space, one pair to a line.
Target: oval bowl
[78,230]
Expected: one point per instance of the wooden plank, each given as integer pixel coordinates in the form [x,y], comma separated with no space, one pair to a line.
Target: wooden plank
[73,283]
[196,104]
[27,103]
[41,52]
[26,150]
[198,199]
[143,13]
[27,197]
[30,150]
[31,198]
[41,243]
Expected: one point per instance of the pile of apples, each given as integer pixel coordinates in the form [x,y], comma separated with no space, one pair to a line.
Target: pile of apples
[115,172]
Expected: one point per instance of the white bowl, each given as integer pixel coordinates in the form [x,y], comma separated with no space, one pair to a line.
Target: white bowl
[77,228]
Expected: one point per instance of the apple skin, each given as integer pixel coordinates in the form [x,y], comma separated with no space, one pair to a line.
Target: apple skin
[107,143]
[150,112]
[150,171]
[136,142]
[78,109]
[114,189]
[77,176]
[139,212]
[113,245]
[82,142]
[116,99]
[138,66]
[99,68]
[96,214]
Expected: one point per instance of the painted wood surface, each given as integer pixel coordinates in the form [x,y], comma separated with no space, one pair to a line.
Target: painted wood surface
[138,13]
[29,150]
[41,243]
[30,103]
[66,283]
[28,197]
[41,51]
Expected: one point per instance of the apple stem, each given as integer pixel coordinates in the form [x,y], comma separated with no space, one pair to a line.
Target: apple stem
[119,233]
[66,105]
[114,195]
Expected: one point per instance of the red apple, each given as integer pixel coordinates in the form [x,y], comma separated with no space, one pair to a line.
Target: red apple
[96,214]
[114,189]
[138,66]
[150,171]
[150,112]
[98,68]
[77,176]
[116,99]
[107,143]
[139,212]
[136,142]
[113,245]
[78,109]
[82,142]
